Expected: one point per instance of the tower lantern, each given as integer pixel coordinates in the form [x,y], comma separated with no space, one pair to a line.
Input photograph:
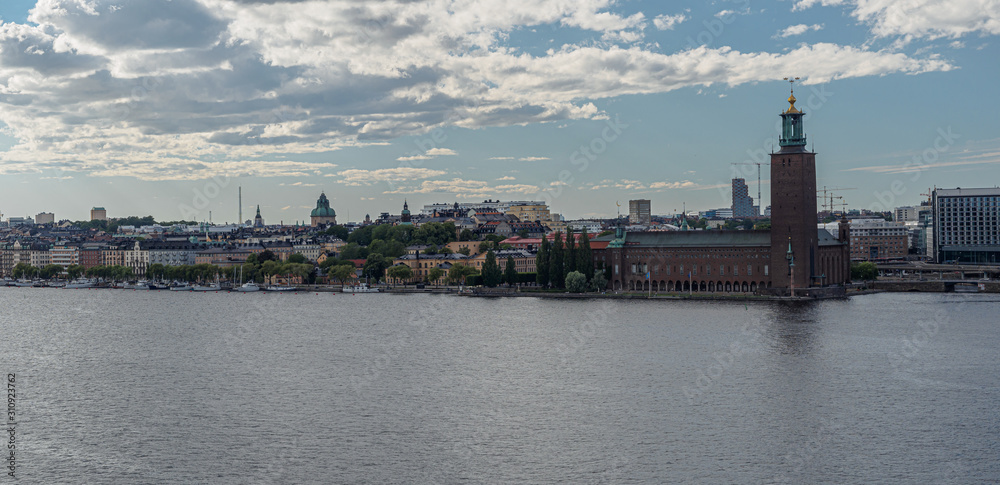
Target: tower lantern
[791,121]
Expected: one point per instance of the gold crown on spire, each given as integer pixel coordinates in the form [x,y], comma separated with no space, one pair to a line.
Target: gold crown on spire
[791,97]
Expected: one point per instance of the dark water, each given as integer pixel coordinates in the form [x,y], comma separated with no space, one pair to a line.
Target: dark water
[157,387]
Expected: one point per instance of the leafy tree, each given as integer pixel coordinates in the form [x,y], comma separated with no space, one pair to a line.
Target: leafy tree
[467,235]
[463,250]
[584,255]
[485,246]
[435,274]
[337,231]
[459,272]
[492,276]
[376,265]
[432,249]
[297,258]
[49,271]
[24,270]
[342,272]
[387,247]
[542,263]
[523,233]
[74,271]
[361,236]
[569,258]
[156,271]
[401,272]
[353,251]
[576,282]
[599,282]
[267,255]
[557,277]
[447,250]
[866,271]
[510,273]
[252,260]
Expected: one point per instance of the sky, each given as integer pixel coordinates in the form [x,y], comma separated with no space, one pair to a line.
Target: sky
[167,107]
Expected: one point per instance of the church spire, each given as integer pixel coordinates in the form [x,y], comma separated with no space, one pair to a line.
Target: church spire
[792,134]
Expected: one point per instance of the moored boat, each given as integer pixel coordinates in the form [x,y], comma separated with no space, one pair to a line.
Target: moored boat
[360,288]
[81,283]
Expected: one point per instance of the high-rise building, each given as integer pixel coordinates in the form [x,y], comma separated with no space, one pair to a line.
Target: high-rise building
[98,214]
[639,211]
[966,225]
[742,202]
[45,218]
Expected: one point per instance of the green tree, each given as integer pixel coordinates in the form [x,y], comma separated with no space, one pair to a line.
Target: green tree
[467,235]
[599,282]
[376,265]
[155,271]
[542,263]
[523,233]
[267,255]
[584,255]
[435,274]
[297,258]
[24,270]
[432,249]
[342,272]
[485,246]
[353,251]
[459,272]
[74,271]
[569,258]
[492,276]
[866,271]
[510,273]
[338,231]
[576,282]
[557,275]
[49,271]
[401,272]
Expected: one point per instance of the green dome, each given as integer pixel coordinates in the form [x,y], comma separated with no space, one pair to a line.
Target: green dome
[323,208]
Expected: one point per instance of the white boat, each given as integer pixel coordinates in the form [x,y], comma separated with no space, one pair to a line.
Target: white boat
[211,287]
[360,288]
[247,287]
[55,284]
[280,288]
[184,287]
[81,283]
[24,283]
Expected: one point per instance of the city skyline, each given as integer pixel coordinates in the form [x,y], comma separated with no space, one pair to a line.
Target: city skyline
[579,106]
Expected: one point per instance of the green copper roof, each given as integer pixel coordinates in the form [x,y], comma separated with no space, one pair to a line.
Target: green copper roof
[323,208]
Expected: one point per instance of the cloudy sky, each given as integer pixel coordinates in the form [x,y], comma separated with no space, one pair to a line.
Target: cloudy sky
[165,107]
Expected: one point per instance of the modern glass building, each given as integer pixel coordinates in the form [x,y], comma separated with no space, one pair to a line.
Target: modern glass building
[966,227]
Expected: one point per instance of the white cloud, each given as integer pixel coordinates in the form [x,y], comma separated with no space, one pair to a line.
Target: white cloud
[804,4]
[464,188]
[532,159]
[501,158]
[668,22]
[505,177]
[798,29]
[164,90]
[437,152]
[932,19]
[356,177]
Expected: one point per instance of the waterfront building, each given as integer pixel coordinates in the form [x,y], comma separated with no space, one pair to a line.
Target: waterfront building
[421,264]
[873,240]
[966,225]
[98,214]
[137,258]
[639,211]
[793,257]
[323,214]
[173,253]
[742,202]
[64,255]
[524,260]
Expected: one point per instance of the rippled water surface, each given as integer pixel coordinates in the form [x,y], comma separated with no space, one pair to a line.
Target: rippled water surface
[158,387]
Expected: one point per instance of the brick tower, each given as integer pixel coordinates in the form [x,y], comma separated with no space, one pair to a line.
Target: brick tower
[794,240]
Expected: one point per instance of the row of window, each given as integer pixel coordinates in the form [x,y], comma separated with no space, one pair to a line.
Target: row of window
[643,268]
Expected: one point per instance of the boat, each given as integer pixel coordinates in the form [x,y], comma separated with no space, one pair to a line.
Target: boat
[55,284]
[360,288]
[158,286]
[211,287]
[81,283]
[280,288]
[183,287]
[23,283]
[247,287]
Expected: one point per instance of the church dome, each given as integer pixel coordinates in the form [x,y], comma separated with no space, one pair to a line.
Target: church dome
[323,208]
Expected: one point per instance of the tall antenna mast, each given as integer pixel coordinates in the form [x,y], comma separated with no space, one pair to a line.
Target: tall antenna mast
[240,219]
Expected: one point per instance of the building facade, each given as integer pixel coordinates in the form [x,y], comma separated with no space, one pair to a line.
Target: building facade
[873,240]
[98,214]
[45,218]
[966,225]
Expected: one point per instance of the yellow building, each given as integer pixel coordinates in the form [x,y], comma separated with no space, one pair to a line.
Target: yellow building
[530,213]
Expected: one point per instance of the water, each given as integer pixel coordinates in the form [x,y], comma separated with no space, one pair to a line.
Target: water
[163,387]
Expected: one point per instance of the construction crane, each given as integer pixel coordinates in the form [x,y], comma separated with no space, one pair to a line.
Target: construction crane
[830,190]
[760,203]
